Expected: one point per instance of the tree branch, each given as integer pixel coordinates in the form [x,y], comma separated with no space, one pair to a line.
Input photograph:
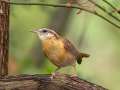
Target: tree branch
[113,7]
[44,82]
[110,4]
[73,6]
[4,37]
[103,9]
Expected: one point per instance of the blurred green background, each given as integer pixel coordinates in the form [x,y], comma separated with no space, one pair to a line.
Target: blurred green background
[89,33]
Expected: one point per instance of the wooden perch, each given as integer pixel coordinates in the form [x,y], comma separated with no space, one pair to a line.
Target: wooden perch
[44,82]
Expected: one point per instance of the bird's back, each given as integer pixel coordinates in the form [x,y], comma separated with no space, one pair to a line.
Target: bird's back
[72,49]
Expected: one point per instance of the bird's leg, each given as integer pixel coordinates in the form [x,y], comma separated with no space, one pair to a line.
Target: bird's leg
[53,74]
[74,70]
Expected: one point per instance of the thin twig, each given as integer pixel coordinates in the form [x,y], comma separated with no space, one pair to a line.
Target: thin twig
[65,6]
[107,19]
[109,13]
[110,4]
[113,7]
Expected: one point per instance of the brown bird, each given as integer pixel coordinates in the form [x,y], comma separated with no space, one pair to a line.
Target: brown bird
[60,51]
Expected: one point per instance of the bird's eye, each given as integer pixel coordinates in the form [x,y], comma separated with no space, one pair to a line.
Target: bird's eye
[44,31]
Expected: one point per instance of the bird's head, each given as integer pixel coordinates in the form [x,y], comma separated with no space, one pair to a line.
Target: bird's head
[45,33]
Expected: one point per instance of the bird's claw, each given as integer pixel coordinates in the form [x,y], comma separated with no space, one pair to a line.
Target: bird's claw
[52,76]
[74,76]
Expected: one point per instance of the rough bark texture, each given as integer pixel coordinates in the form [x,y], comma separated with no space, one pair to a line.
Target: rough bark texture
[44,82]
[4,35]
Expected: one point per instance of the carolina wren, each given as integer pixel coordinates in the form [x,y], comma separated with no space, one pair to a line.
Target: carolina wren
[60,51]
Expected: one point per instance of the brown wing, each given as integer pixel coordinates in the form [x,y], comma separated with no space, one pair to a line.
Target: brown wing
[71,48]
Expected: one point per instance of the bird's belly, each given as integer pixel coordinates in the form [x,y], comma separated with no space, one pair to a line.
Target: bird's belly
[60,60]
[56,53]
[58,56]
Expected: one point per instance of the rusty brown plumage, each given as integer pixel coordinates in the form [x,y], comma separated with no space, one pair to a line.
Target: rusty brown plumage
[71,48]
[60,51]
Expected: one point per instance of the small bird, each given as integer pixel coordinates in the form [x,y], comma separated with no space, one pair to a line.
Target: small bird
[60,51]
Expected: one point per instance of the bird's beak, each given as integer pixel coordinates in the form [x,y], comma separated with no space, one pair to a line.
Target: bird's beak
[34,31]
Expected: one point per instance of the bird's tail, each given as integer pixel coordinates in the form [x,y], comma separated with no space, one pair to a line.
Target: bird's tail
[82,55]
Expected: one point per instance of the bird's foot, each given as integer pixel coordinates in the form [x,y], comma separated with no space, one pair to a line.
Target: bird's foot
[74,76]
[52,75]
